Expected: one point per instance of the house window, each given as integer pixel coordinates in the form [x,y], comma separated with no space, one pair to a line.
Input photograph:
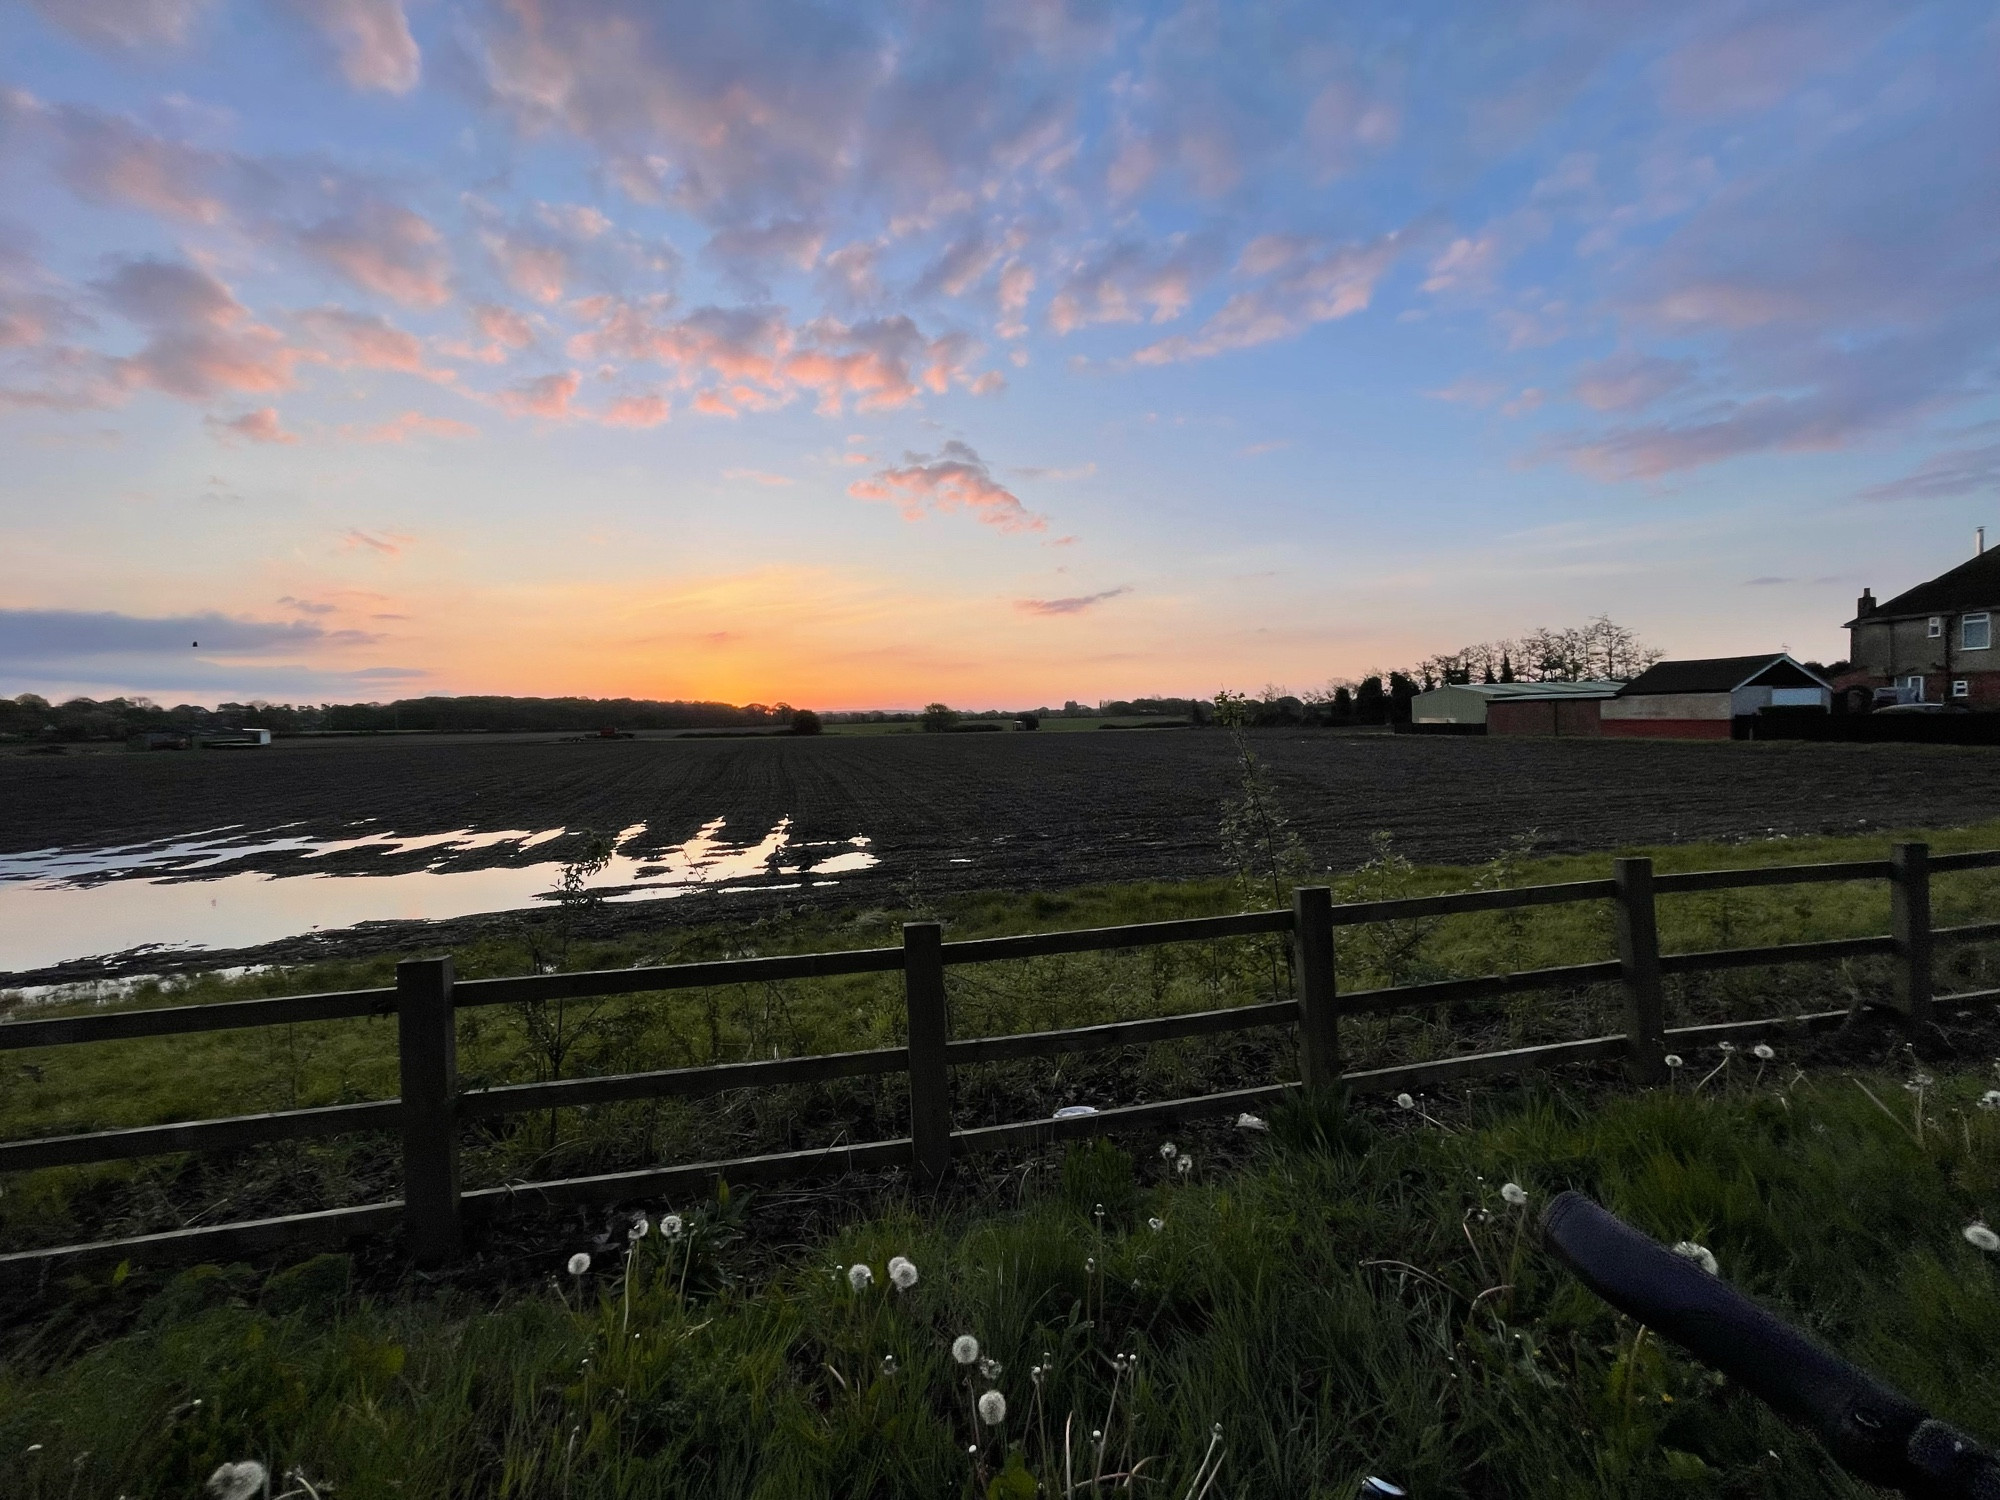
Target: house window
[1961,688]
[1936,627]
[1975,632]
[1914,684]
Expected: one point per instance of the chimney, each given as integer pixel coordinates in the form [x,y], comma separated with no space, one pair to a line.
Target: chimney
[1978,540]
[1865,605]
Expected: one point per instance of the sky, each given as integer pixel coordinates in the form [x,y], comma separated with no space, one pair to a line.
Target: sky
[866,355]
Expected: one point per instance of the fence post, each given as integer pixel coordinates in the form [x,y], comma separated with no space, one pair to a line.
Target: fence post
[1639,969]
[1319,999]
[1910,924]
[930,1082]
[427,1048]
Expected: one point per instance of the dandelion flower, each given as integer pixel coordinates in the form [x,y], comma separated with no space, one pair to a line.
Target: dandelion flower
[1185,1165]
[1252,1122]
[1699,1254]
[1763,1052]
[671,1226]
[579,1263]
[902,1272]
[965,1348]
[1156,1225]
[1990,1099]
[639,1230]
[1515,1194]
[992,1408]
[237,1481]
[1404,1101]
[859,1277]
[1168,1150]
[1673,1060]
[1977,1234]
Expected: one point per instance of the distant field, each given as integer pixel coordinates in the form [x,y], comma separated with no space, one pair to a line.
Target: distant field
[1011,810]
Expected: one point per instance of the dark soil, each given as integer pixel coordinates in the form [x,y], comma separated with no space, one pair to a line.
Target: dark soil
[952,813]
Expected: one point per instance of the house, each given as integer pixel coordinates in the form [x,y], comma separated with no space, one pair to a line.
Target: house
[1935,641]
[1706,699]
[1545,708]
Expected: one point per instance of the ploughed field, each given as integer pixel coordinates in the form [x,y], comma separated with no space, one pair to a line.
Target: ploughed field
[998,810]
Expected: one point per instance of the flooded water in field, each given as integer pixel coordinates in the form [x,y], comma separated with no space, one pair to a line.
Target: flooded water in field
[235,887]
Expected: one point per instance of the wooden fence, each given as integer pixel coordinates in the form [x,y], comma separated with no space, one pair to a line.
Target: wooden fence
[435,1211]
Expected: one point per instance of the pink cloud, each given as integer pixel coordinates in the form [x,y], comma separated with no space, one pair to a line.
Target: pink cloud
[534,270]
[410,424]
[956,478]
[202,341]
[368,340]
[502,325]
[1305,283]
[382,543]
[125,23]
[107,158]
[1131,283]
[1630,381]
[384,248]
[259,426]
[1071,606]
[637,411]
[372,40]
[547,396]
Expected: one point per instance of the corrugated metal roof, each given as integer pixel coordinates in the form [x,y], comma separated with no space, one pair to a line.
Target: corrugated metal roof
[1718,674]
[1516,690]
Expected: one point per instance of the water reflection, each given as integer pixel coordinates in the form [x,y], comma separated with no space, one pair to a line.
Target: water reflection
[180,893]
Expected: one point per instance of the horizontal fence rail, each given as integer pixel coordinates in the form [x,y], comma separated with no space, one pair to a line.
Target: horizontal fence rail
[434,1103]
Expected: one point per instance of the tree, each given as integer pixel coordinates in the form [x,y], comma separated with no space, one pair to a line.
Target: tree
[938,717]
[1371,705]
[805,721]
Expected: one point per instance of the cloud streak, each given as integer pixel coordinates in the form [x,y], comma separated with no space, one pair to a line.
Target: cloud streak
[954,479]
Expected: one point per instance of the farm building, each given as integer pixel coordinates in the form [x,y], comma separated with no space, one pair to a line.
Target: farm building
[1935,639]
[1703,700]
[1545,708]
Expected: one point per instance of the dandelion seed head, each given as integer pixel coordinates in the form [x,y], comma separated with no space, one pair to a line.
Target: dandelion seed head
[1981,1237]
[1168,1150]
[1763,1052]
[639,1230]
[579,1263]
[1184,1166]
[990,1368]
[1990,1099]
[1156,1225]
[965,1348]
[671,1226]
[888,1364]
[902,1272]
[1096,1435]
[1090,1266]
[1514,1193]
[1725,1048]
[237,1481]
[1035,1375]
[1404,1101]
[860,1277]
[1252,1122]
[1699,1254]
[992,1408]
[1674,1060]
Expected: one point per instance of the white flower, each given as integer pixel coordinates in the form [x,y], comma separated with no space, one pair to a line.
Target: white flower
[671,1226]
[1699,1254]
[992,1408]
[1167,1150]
[1185,1165]
[1404,1101]
[1990,1099]
[1251,1122]
[965,1348]
[639,1230]
[1977,1234]
[859,1277]
[1156,1225]
[902,1273]
[237,1481]
[579,1263]
[1514,1193]
[1763,1052]
[1673,1060]
[990,1368]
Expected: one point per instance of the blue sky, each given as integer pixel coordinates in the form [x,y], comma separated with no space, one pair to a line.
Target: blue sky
[866,355]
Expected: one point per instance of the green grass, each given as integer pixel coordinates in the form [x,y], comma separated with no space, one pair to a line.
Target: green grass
[61,1090]
[1332,1311]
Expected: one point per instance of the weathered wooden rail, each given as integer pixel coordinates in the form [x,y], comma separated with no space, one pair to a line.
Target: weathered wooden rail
[435,1210]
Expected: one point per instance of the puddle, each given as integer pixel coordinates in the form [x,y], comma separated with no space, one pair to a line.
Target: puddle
[180,895]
